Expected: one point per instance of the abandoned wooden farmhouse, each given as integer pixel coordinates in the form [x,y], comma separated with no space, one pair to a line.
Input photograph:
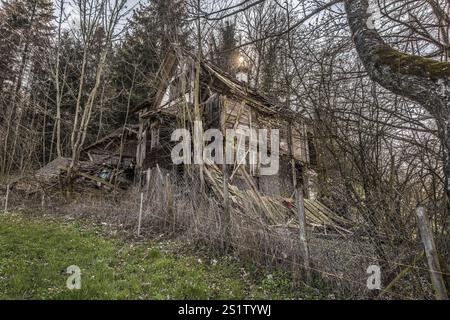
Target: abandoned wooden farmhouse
[225,102]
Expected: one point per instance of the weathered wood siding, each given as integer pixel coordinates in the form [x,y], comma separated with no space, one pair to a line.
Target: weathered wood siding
[239,115]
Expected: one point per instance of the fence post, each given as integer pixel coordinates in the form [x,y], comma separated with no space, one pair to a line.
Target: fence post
[149,172]
[430,250]
[140,214]
[170,210]
[299,204]
[42,200]
[226,208]
[226,219]
[7,197]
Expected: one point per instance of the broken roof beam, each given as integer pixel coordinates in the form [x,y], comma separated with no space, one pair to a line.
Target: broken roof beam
[163,77]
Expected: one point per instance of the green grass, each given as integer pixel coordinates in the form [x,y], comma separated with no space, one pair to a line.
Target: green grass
[35,253]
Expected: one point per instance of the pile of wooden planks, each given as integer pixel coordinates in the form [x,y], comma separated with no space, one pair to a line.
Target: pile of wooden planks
[272,212]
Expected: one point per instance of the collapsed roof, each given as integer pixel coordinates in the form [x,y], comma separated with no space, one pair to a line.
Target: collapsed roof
[215,79]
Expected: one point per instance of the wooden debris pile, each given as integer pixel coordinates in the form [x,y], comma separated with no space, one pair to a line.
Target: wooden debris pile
[52,170]
[272,212]
[87,174]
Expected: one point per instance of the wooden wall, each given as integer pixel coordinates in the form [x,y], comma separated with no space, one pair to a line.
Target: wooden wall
[238,115]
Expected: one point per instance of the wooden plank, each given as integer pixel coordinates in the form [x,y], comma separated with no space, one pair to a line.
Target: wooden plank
[300,206]
[90,177]
[7,197]
[302,231]
[140,214]
[432,257]
[163,76]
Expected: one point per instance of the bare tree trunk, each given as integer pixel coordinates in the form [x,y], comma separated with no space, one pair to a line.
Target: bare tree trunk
[422,80]
[94,14]
[425,81]
[198,131]
[59,87]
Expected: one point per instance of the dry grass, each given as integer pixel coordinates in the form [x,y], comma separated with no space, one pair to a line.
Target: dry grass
[178,208]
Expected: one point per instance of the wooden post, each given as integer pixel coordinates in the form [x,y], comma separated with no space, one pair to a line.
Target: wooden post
[170,211]
[198,131]
[7,197]
[430,250]
[42,200]
[305,168]
[305,177]
[226,221]
[147,187]
[299,204]
[140,151]
[226,196]
[140,214]
[148,176]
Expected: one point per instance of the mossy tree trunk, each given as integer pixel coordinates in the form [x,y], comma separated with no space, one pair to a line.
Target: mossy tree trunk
[422,80]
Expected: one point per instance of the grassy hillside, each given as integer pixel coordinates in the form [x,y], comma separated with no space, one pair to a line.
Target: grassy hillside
[35,253]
